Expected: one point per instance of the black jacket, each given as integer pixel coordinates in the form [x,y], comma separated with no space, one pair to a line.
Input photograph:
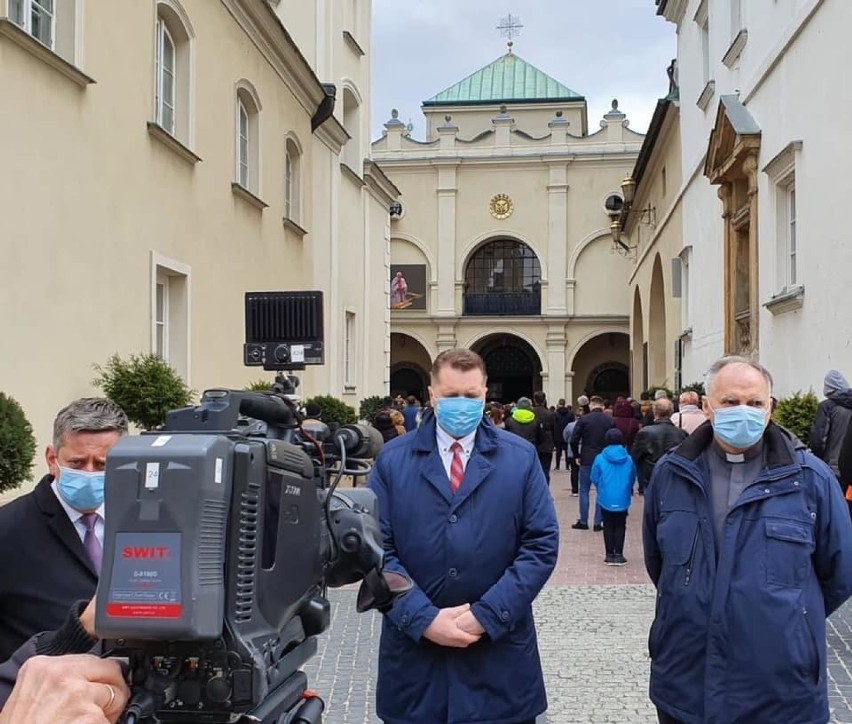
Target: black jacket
[844,460]
[44,567]
[832,420]
[547,420]
[530,431]
[561,418]
[590,430]
[651,443]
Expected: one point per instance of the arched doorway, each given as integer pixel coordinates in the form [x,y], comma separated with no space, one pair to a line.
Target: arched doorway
[657,328]
[410,365]
[602,366]
[514,369]
[640,366]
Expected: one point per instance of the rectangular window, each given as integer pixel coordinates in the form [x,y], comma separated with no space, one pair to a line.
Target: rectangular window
[790,219]
[37,17]
[170,313]
[243,147]
[663,181]
[349,351]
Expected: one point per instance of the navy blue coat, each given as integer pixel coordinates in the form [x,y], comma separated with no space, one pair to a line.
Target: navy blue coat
[742,641]
[493,545]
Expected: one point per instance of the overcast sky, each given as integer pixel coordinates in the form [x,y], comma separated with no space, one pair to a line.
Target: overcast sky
[601,49]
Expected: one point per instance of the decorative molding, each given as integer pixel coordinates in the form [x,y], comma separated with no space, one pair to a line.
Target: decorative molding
[784,161]
[787,300]
[293,227]
[379,184]
[732,55]
[706,95]
[351,174]
[333,135]
[23,39]
[155,130]
[353,44]
[242,192]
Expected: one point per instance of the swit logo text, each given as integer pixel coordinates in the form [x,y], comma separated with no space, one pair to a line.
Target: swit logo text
[151,552]
[292,490]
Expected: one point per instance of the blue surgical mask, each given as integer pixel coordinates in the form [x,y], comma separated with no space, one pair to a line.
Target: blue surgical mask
[81,490]
[741,427]
[459,416]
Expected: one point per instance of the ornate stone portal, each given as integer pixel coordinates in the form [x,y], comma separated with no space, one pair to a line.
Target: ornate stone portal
[732,165]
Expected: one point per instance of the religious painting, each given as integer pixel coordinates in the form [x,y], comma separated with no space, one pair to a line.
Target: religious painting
[408,286]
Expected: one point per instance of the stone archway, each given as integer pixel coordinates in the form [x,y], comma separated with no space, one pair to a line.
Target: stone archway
[513,367]
[601,366]
[409,367]
[656,361]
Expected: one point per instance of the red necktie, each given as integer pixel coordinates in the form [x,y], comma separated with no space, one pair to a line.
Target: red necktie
[456,468]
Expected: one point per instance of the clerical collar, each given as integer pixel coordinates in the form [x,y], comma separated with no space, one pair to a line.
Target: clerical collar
[737,458]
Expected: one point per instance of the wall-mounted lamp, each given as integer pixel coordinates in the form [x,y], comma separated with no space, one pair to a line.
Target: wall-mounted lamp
[647,216]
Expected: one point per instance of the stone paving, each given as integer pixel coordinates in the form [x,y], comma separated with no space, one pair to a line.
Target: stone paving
[592,622]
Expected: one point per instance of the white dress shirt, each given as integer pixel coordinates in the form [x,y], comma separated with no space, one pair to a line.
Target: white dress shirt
[77,517]
[445,442]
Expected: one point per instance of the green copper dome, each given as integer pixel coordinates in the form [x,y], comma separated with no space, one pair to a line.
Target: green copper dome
[508,79]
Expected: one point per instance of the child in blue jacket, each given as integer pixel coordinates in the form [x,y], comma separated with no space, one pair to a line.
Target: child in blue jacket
[613,473]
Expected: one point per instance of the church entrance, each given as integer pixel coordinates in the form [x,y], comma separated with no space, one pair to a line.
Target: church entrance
[514,369]
[602,367]
[409,369]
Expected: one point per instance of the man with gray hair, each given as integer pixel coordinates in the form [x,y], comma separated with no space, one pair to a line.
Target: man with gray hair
[51,539]
[749,544]
[655,440]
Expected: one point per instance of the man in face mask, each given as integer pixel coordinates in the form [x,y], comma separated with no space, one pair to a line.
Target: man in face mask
[466,515]
[51,539]
[749,544]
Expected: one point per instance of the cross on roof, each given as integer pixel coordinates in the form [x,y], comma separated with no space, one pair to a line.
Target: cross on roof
[510,27]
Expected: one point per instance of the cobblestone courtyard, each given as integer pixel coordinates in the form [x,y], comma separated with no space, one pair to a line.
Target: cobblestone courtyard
[592,624]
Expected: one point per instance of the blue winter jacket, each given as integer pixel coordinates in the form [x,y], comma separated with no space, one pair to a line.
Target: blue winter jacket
[493,544]
[614,473]
[742,640]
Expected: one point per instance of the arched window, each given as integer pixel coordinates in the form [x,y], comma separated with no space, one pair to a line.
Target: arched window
[352,155]
[247,138]
[292,181]
[503,277]
[172,71]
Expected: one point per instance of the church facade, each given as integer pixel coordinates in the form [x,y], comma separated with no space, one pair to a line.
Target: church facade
[501,241]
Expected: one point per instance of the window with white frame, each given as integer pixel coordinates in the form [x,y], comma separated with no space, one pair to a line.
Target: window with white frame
[37,17]
[247,139]
[170,313]
[165,77]
[349,350]
[173,47]
[781,171]
[292,181]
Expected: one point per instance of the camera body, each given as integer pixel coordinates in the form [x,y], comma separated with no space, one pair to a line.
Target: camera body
[222,533]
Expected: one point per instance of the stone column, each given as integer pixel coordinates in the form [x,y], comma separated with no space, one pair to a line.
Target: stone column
[395,130]
[553,385]
[556,303]
[447,192]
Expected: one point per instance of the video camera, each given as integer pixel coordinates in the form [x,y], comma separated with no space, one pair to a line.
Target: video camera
[223,531]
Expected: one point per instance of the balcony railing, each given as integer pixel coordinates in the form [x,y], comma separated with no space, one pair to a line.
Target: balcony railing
[502,304]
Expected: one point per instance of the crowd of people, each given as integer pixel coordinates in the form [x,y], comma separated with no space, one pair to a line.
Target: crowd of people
[746,536]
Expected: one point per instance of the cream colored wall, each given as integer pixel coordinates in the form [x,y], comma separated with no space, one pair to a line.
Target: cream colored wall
[533,119]
[664,241]
[601,280]
[92,196]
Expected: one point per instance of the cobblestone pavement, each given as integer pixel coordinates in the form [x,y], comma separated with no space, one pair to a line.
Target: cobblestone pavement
[592,623]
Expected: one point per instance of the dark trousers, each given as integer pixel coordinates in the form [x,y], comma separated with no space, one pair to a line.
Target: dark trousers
[545,459]
[561,448]
[666,719]
[615,526]
[575,474]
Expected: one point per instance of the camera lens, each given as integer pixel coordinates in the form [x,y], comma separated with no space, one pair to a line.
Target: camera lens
[282,353]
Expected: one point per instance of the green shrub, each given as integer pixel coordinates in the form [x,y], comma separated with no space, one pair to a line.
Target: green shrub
[144,386]
[369,407]
[17,445]
[797,413]
[695,387]
[333,410]
[259,386]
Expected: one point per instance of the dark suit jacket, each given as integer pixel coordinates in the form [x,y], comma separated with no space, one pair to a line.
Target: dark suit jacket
[43,567]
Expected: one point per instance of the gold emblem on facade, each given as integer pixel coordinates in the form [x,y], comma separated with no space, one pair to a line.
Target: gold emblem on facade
[501,206]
